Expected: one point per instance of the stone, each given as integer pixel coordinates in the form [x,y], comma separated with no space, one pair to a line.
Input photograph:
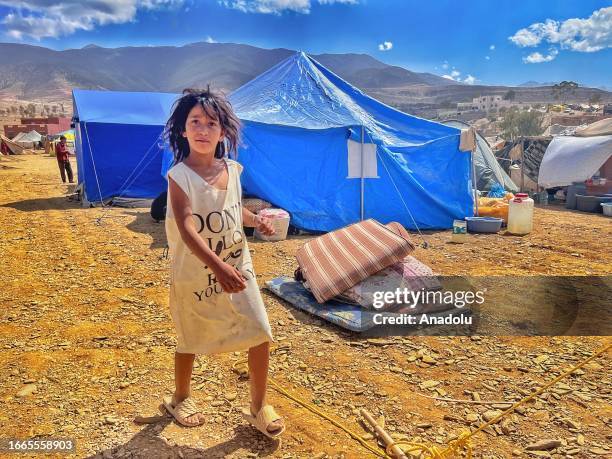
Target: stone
[543,445]
[490,414]
[26,390]
[429,359]
[429,384]
[600,451]
[110,419]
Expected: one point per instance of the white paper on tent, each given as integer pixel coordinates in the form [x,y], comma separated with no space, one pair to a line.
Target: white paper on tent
[370,167]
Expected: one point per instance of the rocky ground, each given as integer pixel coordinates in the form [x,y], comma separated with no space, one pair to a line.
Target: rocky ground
[86,345]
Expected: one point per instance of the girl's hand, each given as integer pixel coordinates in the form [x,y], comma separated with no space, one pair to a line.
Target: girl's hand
[231,280]
[264,226]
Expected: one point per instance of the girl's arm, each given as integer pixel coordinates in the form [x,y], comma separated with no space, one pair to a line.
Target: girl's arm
[263,224]
[249,219]
[228,276]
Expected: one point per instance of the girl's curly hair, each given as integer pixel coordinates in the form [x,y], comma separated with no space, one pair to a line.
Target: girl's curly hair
[216,106]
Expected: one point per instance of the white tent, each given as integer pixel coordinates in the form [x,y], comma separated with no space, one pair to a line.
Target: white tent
[28,140]
[576,158]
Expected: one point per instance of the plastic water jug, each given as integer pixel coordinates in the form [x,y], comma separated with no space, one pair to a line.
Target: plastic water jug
[520,214]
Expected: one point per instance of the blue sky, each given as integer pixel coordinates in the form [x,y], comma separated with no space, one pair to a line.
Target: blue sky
[475,41]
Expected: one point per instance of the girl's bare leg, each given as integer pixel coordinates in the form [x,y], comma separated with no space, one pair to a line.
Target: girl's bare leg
[183,366]
[259,362]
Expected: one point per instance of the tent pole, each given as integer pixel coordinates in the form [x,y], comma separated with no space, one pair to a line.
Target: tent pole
[522,167]
[474,183]
[362,172]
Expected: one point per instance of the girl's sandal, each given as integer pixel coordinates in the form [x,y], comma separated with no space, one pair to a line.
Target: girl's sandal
[263,419]
[182,411]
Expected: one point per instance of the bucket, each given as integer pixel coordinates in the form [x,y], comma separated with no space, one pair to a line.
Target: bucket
[572,190]
[607,208]
[280,221]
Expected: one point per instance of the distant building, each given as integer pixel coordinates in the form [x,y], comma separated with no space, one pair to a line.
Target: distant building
[607,110]
[483,103]
[44,126]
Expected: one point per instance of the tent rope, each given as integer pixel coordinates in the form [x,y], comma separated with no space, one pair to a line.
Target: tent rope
[125,184]
[131,178]
[424,244]
[454,448]
[94,164]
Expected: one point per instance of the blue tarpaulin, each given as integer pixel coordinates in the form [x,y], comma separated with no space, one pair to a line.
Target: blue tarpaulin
[118,142]
[297,119]
[299,122]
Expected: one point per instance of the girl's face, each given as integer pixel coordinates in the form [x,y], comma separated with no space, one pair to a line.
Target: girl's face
[202,132]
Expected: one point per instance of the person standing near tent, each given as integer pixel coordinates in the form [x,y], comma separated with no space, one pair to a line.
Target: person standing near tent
[61,153]
[215,301]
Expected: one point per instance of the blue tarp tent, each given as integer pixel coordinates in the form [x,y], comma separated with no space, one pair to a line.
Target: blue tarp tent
[305,132]
[119,142]
[304,128]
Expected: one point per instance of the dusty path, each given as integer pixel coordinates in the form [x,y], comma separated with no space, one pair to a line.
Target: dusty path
[84,318]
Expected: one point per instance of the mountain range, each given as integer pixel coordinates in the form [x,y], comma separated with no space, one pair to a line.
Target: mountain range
[31,72]
[36,73]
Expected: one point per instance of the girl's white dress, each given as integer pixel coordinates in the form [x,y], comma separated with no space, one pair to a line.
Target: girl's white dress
[208,320]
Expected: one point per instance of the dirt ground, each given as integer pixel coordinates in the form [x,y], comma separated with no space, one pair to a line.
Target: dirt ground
[87,344]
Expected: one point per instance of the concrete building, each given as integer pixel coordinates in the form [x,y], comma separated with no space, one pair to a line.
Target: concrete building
[484,103]
[44,126]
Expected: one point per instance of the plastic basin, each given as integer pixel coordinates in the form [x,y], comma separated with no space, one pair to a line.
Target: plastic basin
[483,224]
[591,203]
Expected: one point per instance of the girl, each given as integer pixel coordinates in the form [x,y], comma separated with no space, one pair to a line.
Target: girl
[214,298]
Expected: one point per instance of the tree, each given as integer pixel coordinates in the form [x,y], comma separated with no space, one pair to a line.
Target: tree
[519,123]
[595,99]
[564,89]
[510,95]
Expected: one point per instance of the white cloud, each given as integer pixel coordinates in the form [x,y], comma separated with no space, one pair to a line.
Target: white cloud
[445,65]
[210,39]
[47,18]
[385,46]
[454,75]
[492,47]
[278,6]
[537,58]
[584,35]
[487,58]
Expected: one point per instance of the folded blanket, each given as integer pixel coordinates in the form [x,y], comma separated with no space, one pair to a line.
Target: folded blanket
[407,275]
[338,260]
